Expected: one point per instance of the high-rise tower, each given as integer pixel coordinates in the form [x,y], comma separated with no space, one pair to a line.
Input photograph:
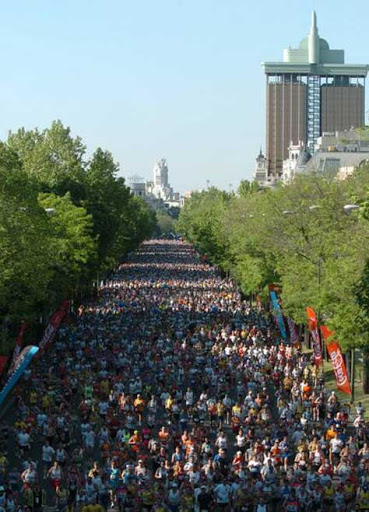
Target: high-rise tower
[312,91]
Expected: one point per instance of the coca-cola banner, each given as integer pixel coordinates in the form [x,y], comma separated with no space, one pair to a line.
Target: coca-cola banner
[53,326]
[339,367]
[317,346]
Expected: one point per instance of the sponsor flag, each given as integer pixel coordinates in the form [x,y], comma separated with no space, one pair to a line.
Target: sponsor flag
[339,367]
[294,335]
[278,313]
[53,327]
[317,346]
[24,359]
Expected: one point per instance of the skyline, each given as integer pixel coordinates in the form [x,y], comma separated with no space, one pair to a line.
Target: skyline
[173,80]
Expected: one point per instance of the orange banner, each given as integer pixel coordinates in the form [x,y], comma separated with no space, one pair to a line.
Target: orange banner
[339,367]
[317,346]
[311,318]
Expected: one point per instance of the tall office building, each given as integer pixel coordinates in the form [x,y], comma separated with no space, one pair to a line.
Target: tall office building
[312,91]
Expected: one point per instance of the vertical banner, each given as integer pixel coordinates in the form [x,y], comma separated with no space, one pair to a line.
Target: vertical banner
[339,367]
[18,345]
[278,312]
[53,326]
[317,346]
[294,335]
[21,364]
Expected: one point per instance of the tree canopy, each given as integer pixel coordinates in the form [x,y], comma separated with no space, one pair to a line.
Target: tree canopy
[64,218]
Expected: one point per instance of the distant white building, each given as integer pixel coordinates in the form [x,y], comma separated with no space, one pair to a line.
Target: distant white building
[337,153]
[137,184]
[261,172]
[298,157]
[158,193]
[160,187]
[340,153]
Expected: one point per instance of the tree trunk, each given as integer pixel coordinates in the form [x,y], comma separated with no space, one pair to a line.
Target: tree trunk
[366,370]
[307,338]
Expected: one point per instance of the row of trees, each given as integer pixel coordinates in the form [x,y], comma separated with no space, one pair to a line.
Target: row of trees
[65,219]
[299,236]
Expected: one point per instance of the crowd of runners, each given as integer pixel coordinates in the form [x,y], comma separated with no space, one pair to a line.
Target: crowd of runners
[168,392]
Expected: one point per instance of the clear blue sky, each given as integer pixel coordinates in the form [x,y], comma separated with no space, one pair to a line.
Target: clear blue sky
[146,79]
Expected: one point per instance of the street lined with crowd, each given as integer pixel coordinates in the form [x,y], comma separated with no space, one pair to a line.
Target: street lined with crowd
[170,393]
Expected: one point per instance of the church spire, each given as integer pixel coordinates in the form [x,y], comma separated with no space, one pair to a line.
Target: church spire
[313,21]
[314,44]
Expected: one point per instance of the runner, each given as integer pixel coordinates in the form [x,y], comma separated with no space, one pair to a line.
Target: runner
[168,392]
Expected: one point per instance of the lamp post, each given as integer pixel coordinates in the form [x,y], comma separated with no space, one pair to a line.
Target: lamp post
[349,208]
[318,264]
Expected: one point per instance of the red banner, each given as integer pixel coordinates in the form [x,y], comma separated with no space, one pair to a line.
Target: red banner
[3,361]
[339,367]
[313,326]
[53,326]
[18,345]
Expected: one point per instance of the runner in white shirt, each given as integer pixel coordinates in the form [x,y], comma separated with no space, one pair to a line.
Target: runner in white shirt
[24,441]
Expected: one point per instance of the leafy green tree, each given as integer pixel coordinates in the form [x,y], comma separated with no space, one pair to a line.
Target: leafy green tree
[248,225]
[63,219]
[138,223]
[53,157]
[71,241]
[25,253]
[201,222]
[107,198]
[121,220]
[165,223]
[247,187]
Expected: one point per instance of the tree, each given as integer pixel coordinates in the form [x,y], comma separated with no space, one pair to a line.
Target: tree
[248,225]
[165,223]
[92,222]
[139,222]
[25,254]
[53,157]
[201,219]
[71,242]
[247,187]
[107,197]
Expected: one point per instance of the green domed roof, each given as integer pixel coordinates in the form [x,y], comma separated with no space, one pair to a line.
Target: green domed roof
[323,44]
[304,44]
